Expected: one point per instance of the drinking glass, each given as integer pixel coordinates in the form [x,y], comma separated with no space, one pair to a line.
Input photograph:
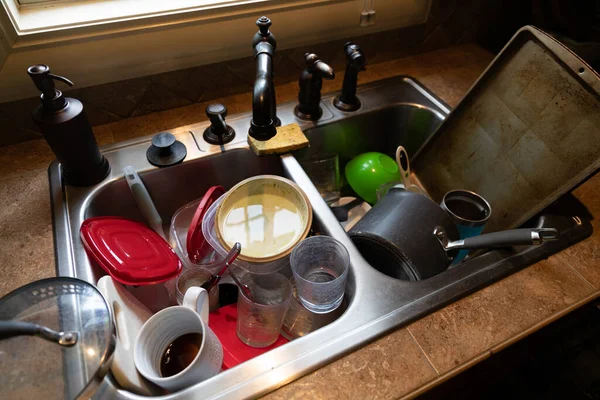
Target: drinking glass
[300,322]
[325,175]
[196,277]
[262,307]
[320,266]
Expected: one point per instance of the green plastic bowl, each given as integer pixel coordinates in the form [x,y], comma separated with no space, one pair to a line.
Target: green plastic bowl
[368,171]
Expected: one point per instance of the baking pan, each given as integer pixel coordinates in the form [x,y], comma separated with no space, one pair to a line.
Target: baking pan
[527,132]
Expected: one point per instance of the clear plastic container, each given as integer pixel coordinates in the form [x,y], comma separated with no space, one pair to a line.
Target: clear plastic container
[208,229]
[178,238]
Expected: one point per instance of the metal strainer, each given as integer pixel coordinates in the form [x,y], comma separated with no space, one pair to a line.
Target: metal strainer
[68,311]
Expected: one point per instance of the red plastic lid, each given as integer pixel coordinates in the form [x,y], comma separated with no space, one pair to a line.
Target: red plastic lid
[223,324]
[196,244]
[130,252]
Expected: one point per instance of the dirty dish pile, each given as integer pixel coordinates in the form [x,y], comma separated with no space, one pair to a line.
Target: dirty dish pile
[173,346]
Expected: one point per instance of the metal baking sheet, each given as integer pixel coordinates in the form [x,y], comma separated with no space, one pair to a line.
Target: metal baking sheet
[527,132]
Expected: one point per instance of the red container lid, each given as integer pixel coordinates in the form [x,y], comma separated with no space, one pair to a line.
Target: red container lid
[132,253]
[196,245]
[223,324]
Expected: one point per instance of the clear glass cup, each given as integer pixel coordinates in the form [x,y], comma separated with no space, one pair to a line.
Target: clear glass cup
[325,175]
[300,322]
[260,313]
[196,277]
[320,266]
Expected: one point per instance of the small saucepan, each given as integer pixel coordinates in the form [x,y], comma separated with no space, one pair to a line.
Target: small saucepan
[408,236]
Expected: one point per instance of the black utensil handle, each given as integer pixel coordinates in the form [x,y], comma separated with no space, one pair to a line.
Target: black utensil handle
[513,237]
[349,206]
[353,203]
[10,329]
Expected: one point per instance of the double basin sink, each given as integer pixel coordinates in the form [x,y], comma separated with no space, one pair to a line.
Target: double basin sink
[397,111]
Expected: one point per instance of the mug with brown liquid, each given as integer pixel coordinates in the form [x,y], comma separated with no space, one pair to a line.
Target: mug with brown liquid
[175,348]
[180,353]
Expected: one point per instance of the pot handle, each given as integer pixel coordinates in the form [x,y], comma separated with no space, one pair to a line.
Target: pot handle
[10,329]
[513,237]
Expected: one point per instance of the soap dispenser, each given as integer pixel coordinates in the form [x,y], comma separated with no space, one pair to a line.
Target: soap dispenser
[67,130]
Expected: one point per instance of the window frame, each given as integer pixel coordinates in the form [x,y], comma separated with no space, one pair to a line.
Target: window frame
[111,51]
[47,23]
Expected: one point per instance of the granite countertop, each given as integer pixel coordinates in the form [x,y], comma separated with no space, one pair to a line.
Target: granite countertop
[404,363]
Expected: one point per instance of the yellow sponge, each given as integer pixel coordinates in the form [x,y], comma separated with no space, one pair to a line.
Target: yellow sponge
[288,138]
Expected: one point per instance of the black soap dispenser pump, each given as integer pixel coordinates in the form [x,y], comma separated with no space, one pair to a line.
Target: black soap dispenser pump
[67,130]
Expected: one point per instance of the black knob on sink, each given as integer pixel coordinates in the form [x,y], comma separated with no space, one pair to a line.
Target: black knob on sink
[218,132]
[165,150]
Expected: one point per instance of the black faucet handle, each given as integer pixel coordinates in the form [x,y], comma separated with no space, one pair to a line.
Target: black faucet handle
[354,56]
[264,34]
[311,83]
[218,132]
[318,67]
[264,24]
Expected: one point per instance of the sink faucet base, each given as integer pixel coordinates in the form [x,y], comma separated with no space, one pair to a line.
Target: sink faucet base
[346,107]
[311,83]
[355,62]
[310,116]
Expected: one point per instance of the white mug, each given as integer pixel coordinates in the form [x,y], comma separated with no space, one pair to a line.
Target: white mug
[166,326]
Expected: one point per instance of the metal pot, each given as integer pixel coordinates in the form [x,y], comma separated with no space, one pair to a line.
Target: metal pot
[408,236]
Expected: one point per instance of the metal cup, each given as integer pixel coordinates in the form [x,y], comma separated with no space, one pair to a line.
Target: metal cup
[469,212]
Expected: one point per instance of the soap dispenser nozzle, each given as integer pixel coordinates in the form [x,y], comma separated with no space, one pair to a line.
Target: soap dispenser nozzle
[44,81]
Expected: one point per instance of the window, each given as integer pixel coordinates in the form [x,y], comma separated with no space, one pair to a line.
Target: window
[30,16]
[23,2]
[99,41]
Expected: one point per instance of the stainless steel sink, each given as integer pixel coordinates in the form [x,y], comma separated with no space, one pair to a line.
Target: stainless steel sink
[395,111]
